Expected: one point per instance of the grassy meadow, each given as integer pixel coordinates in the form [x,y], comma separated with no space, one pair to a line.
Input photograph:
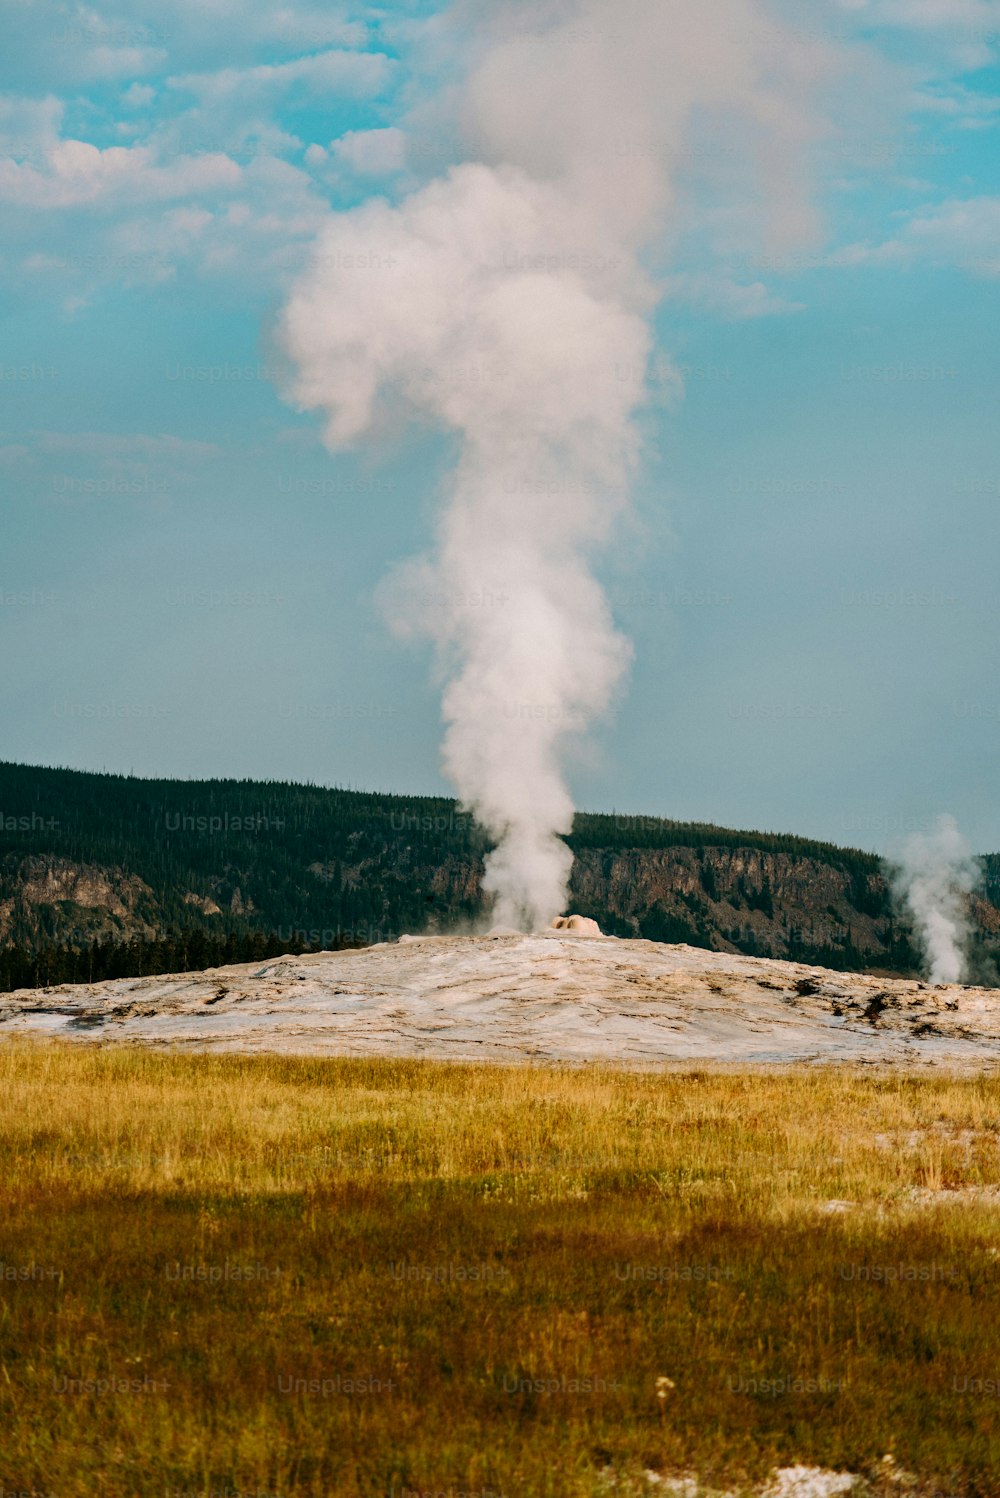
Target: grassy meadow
[257,1275]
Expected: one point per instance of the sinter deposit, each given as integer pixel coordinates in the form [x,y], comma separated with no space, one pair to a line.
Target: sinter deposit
[582,925]
[558,995]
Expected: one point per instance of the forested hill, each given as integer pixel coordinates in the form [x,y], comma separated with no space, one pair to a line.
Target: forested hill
[189,872]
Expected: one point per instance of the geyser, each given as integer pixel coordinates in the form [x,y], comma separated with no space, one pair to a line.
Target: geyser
[506,301]
[932,876]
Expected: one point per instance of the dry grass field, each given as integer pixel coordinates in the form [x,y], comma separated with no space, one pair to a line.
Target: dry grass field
[315,1277]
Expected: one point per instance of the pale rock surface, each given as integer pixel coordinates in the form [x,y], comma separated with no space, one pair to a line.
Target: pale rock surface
[548,997]
[786,1482]
[808,1482]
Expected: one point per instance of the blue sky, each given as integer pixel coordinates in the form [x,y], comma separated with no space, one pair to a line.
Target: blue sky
[187,575]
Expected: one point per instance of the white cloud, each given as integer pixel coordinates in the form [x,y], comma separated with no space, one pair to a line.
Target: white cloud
[960,232]
[28,127]
[120,62]
[302,27]
[964,32]
[964,233]
[76,172]
[732,299]
[234,29]
[66,467]
[266,230]
[235,109]
[138,96]
[891,252]
[928,15]
[357,74]
[371,153]
[962,107]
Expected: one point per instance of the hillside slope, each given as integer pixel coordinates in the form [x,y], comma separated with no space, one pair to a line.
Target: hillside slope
[102,875]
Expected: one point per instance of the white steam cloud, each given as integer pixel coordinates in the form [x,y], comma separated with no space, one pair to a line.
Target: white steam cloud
[932,877]
[505,300]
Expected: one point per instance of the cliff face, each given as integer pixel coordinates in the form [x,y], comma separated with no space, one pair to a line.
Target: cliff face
[735,900]
[48,898]
[726,899]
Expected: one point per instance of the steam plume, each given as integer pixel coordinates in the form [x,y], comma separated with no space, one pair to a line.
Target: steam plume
[506,301]
[932,877]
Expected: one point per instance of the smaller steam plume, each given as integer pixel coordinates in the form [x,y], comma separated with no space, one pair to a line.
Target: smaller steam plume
[931,877]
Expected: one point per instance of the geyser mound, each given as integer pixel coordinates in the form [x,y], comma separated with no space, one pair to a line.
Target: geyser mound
[527,1000]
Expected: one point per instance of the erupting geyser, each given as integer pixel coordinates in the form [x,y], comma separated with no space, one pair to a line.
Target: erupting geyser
[506,301]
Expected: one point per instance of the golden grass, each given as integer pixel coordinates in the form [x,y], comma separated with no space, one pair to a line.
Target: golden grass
[358,1277]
